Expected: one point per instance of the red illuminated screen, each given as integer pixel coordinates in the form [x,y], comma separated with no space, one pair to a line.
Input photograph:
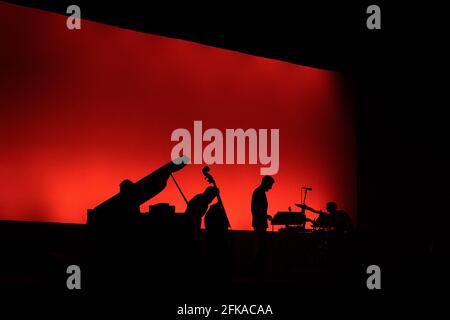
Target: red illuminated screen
[82,110]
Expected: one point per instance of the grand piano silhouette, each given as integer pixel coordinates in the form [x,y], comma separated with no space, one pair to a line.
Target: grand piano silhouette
[123,207]
[138,250]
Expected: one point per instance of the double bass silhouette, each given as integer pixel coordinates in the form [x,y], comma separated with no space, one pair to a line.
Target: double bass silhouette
[217,245]
[216,219]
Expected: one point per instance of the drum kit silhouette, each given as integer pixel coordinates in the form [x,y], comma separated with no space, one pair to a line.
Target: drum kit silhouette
[296,220]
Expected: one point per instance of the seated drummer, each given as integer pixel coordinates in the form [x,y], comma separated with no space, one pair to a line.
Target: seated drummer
[332,218]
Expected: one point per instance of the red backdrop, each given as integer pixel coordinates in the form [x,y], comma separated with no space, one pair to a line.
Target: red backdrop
[82,110]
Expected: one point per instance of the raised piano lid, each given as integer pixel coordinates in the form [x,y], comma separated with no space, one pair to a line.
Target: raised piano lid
[144,189]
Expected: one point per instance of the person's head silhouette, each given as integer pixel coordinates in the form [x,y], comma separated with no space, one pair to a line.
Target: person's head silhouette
[331,206]
[267,183]
[210,193]
[126,185]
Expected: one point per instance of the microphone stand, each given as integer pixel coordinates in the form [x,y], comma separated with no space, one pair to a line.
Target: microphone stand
[304,204]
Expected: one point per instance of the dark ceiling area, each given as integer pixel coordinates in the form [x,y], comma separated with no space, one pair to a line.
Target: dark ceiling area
[323,35]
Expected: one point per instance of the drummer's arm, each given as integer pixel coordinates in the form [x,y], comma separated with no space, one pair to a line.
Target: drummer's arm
[305,207]
[314,210]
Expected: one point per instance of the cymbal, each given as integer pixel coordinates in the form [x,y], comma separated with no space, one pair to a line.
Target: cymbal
[301,205]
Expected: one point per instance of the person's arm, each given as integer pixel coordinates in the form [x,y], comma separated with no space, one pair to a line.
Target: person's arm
[310,209]
[316,211]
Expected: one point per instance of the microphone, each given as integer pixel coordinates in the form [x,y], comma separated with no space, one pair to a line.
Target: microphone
[307,188]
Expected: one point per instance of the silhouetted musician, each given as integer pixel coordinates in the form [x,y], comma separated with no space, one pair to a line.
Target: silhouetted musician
[259,215]
[198,206]
[335,219]
[260,204]
[124,206]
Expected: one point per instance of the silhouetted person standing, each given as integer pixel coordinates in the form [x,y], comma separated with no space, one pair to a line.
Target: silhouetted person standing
[259,216]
